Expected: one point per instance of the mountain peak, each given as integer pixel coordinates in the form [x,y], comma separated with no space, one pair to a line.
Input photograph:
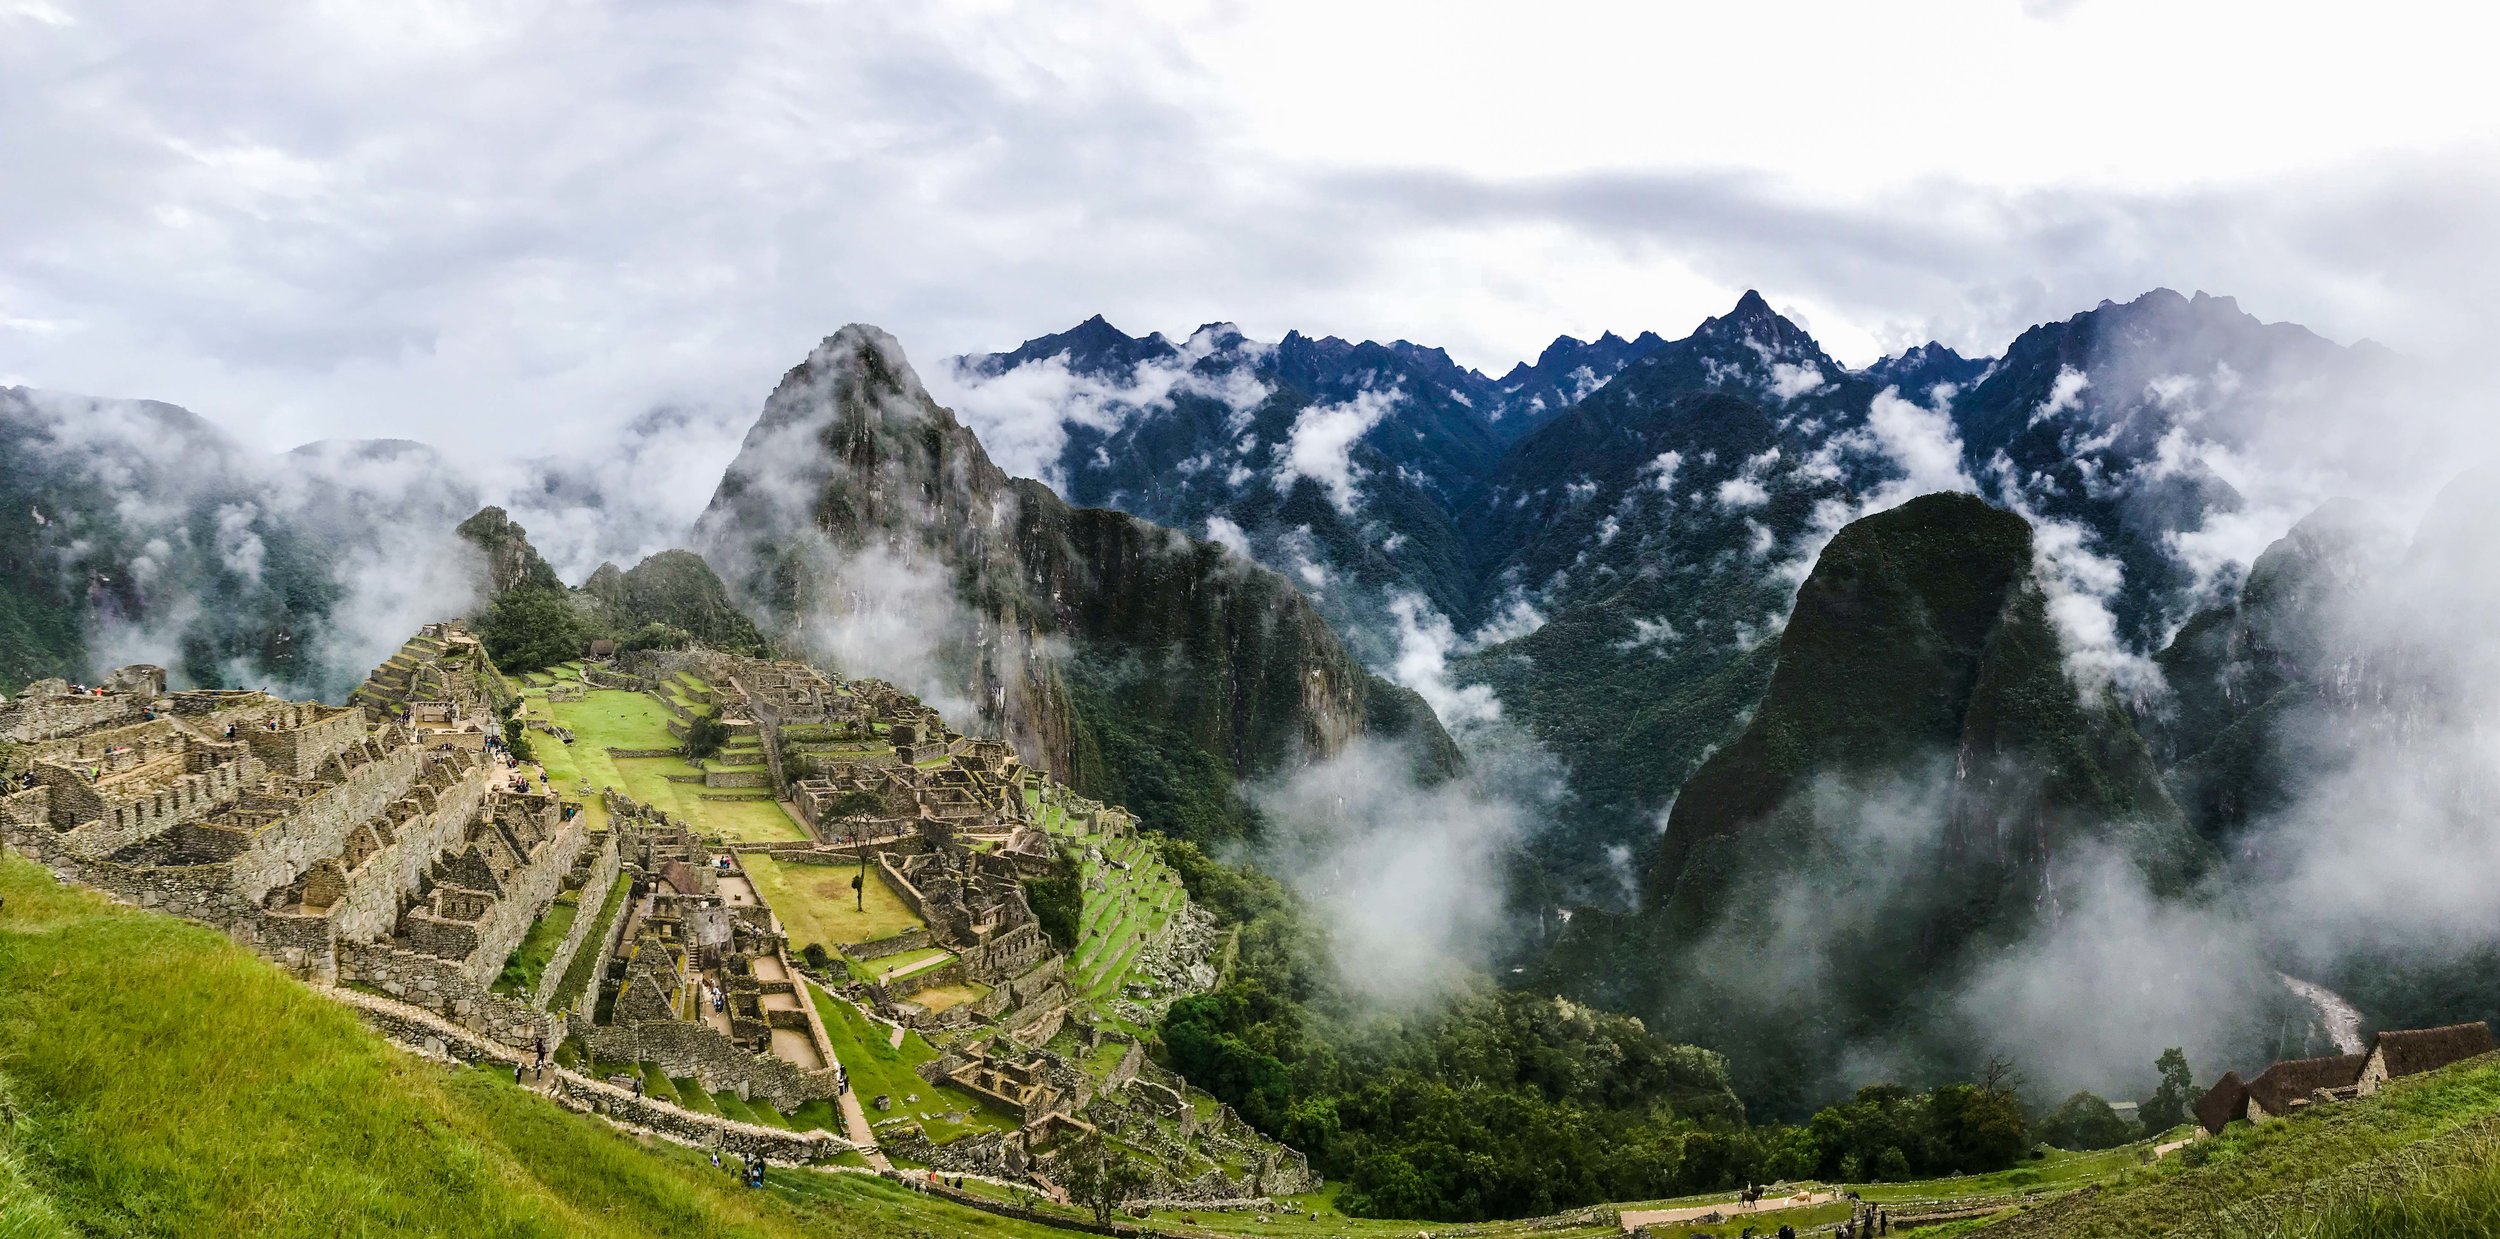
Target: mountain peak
[1751,305]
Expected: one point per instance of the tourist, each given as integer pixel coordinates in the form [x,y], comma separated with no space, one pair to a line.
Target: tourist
[516,1073]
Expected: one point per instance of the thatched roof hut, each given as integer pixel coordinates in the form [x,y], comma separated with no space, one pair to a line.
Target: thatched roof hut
[2416,1050]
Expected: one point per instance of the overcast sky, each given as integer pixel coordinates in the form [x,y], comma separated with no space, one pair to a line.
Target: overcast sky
[517,223]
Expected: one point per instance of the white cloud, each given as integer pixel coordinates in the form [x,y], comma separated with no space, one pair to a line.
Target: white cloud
[1661,471]
[1652,634]
[1789,381]
[1739,493]
[1023,413]
[1321,447]
[1426,640]
[1228,535]
[2064,395]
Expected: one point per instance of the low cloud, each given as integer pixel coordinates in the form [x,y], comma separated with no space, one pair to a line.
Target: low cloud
[1321,447]
[1406,877]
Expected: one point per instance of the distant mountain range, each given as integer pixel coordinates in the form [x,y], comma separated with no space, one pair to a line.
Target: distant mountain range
[1607,539]
[1989,617]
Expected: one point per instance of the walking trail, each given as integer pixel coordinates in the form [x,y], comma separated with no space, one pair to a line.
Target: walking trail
[1635,1219]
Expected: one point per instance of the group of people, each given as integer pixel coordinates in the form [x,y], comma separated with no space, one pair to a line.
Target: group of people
[714,996]
[537,1063]
[930,1178]
[749,1171]
[1865,1221]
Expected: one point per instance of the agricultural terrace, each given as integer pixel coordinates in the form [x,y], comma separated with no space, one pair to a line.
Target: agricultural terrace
[605,722]
[1130,894]
[880,1064]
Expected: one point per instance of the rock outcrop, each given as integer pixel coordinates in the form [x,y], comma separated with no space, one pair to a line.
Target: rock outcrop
[865,524]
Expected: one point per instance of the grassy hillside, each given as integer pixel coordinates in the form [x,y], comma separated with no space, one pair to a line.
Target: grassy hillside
[160,1080]
[2417,1159]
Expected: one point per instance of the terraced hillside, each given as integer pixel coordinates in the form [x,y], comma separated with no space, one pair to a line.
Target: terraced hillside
[1131,901]
[630,741]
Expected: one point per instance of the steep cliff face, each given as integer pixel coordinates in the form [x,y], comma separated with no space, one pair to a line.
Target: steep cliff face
[2252,681]
[1919,656]
[863,522]
[1900,801]
[510,561]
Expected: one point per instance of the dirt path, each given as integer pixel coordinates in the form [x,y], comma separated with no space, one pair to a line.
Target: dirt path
[918,968]
[1635,1219]
[854,1119]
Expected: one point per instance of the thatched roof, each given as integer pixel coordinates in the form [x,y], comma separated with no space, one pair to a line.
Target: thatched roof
[2278,1086]
[2225,1101]
[2415,1050]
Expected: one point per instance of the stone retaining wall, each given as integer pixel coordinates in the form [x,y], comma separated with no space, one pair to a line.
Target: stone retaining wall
[715,1061]
[440,986]
[430,1034]
[908,940]
[587,903]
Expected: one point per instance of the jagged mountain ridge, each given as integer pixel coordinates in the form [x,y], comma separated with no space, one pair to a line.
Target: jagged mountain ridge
[1624,561]
[1089,638]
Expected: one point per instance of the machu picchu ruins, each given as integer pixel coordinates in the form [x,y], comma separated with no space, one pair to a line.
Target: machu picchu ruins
[813,941]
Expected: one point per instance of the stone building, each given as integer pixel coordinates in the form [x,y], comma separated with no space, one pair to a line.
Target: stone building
[2296,1084]
[2395,1055]
[343,845]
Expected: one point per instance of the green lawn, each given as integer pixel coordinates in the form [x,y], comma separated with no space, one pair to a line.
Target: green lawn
[875,1067]
[576,985]
[760,820]
[614,718]
[529,960]
[163,1081]
[815,902]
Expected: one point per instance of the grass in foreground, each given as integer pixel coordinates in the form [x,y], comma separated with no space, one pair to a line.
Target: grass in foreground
[167,1082]
[2454,1197]
[2237,1174]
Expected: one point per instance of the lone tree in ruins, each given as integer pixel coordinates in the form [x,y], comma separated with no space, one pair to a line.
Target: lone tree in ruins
[849,807]
[1100,1177]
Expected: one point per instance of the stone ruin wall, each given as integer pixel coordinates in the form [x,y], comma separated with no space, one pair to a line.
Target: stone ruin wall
[604,865]
[47,716]
[582,1094]
[682,1049]
[317,827]
[481,947]
[914,939]
[442,986]
[369,905]
[105,827]
[299,751]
